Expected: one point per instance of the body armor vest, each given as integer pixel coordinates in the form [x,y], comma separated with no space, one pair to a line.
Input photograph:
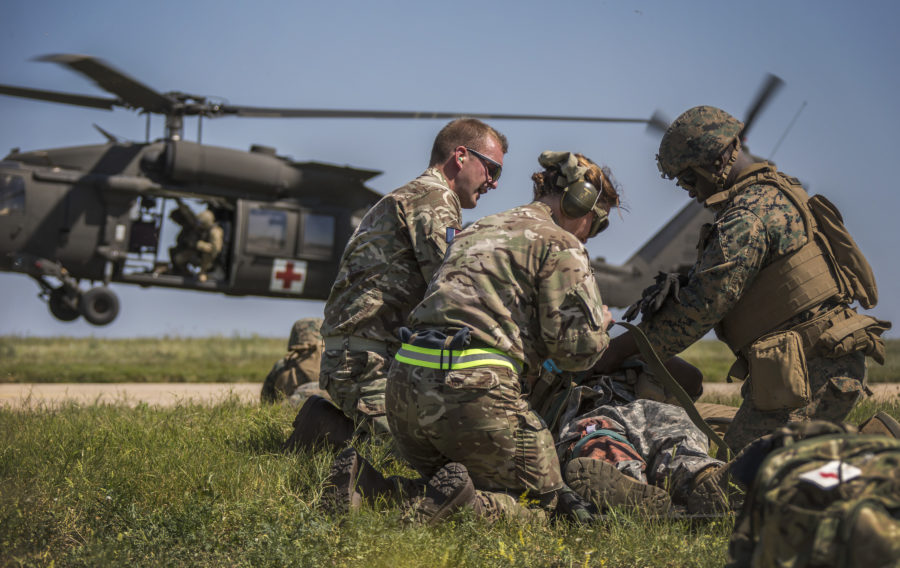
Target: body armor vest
[791,284]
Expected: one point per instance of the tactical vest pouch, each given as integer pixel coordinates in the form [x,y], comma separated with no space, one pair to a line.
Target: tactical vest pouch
[849,260]
[854,332]
[778,378]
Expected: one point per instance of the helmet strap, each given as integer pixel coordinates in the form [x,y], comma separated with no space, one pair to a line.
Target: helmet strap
[721,177]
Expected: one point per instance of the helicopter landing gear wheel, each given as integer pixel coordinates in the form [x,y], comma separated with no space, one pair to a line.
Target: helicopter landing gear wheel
[99,305]
[60,307]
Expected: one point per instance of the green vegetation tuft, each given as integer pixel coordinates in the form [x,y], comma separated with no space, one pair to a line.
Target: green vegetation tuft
[237,359]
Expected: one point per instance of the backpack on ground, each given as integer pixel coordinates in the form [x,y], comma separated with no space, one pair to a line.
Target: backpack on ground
[822,497]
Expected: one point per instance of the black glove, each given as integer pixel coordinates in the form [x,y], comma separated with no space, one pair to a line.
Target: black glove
[570,505]
[654,296]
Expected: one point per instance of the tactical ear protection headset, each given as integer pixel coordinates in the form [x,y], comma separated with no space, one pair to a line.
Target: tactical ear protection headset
[579,197]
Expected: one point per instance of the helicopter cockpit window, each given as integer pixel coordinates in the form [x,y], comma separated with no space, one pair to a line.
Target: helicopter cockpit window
[318,236]
[12,194]
[271,231]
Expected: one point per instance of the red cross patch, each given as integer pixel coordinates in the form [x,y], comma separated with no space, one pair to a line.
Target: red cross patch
[288,276]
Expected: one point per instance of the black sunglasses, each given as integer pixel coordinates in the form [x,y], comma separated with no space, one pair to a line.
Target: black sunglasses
[687,179]
[494,169]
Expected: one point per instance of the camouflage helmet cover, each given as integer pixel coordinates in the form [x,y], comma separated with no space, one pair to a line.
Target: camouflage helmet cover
[305,333]
[696,138]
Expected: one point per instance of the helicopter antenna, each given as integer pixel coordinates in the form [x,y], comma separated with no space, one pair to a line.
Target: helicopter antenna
[788,129]
[199,129]
[111,138]
[147,129]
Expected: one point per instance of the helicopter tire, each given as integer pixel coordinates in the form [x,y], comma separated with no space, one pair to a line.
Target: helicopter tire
[61,310]
[99,305]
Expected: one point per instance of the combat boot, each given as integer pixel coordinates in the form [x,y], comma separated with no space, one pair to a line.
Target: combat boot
[714,491]
[447,491]
[881,423]
[319,423]
[352,479]
[599,482]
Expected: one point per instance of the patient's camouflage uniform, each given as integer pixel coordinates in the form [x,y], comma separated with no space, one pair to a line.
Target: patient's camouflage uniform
[751,230]
[650,441]
[384,272]
[524,287]
[300,365]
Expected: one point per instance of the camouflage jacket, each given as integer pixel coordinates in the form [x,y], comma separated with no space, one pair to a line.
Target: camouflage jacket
[389,260]
[523,285]
[751,229]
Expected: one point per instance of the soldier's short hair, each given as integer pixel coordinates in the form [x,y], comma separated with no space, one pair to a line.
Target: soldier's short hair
[545,182]
[469,132]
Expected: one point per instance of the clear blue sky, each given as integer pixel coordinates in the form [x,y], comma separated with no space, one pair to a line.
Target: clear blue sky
[583,58]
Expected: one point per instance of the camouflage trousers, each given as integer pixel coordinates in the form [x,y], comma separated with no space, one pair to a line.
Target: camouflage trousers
[356,382]
[477,417]
[674,450]
[834,386]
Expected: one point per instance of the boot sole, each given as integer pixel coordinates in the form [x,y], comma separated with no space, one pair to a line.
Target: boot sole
[452,486]
[601,483]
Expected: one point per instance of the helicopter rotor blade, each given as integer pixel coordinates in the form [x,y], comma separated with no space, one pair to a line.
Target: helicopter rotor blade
[57,97]
[263,112]
[767,90]
[658,123]
[131,92]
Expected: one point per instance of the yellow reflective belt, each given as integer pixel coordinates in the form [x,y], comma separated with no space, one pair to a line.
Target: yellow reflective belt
[446,359]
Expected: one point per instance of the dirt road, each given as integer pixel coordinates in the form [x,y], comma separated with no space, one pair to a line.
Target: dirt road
[35,395]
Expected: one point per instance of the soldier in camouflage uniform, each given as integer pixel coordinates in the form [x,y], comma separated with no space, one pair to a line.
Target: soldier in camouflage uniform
[769,296]
[300,365]
[388,262]
[515,289]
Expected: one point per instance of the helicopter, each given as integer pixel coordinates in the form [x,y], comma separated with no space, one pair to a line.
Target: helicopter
[97,212]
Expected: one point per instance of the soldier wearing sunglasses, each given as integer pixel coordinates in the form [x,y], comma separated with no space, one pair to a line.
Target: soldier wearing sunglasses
[515,289]
[384,271]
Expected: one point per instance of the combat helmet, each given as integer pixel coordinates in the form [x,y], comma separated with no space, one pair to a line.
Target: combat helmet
[697,138]
[305,333]
[206,219]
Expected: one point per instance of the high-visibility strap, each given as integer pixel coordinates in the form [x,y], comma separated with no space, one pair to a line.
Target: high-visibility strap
[446,359]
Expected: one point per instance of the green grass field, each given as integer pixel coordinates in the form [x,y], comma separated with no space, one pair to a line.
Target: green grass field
[192,485]
[236,359]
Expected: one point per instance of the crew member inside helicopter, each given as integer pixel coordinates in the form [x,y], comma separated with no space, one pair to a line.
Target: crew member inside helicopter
[199,243]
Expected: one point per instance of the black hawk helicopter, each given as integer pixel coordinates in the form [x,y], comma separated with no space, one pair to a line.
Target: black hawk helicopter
[96,212]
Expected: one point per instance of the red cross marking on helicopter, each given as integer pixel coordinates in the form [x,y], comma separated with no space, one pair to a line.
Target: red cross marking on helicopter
[288,275]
